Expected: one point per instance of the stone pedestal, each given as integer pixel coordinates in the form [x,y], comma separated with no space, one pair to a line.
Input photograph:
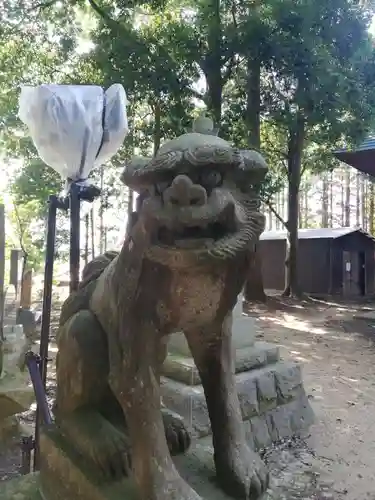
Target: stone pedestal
[272,397]
[64,476]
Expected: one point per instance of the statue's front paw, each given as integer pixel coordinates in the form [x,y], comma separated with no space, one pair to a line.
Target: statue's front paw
[241,473]
[112,456]
[178,437]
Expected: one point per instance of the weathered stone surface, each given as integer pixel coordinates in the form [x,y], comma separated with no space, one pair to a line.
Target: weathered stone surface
[182,368]
[181,268]
[16,396]
[295,475]
[1,356]
[288,380]
[66,479]
[16,392]
[261,392]
[260,354]
[9,427]
[266,390]
[257,432]
[14,347]
[23,488]
[26,290]
[365,315]
[65,476]
[302,415]
[243,334]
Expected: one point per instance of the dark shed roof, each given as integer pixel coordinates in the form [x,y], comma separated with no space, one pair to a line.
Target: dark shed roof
[310,234]
[361,158]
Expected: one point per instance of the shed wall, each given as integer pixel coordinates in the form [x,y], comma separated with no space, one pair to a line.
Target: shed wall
[273,258]
[320,263]
[314,265]
[354,243]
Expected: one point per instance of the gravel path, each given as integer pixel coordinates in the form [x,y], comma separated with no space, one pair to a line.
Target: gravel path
[338,356]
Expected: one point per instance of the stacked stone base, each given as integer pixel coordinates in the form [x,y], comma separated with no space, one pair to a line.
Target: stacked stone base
[272,397]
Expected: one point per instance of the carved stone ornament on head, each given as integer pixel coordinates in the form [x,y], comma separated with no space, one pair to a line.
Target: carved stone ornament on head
[202,153]
[181,269]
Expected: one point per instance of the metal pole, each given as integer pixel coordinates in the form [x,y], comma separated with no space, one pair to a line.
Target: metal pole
[74,198]
[33,363]
[27,446]
[46,313]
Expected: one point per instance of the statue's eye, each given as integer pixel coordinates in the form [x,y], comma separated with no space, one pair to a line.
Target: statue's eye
[247,188]
[211,179]
[160,187]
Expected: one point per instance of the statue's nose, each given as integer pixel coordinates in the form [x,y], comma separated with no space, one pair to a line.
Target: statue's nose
[184,193]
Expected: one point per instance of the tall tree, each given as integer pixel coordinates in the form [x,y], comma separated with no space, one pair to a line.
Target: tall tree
[319,89]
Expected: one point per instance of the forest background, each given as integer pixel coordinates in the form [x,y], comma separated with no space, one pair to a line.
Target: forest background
[290,78]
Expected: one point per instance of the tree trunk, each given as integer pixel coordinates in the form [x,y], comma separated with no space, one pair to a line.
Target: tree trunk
[212,63]
[300,204]
[252,117]
[105,239]
[331,199]
[347,198]
[254,288]
[282,204]
[278,208]
[130,201]
[92,233]
[325,201]
[358,200]
[342,197]
[306,206]
[363,202]
[295,148]
[157,127]
[371,193]
[101,212]
[270,219]
[87,237]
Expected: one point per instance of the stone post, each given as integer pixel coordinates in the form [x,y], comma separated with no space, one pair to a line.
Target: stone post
[26,290]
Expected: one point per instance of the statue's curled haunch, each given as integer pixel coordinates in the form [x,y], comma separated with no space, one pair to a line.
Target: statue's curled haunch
[181,269]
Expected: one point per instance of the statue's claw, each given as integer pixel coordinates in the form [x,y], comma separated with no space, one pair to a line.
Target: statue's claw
[178,437]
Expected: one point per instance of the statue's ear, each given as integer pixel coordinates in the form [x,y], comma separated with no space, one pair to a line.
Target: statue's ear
[134,164]
[254,166]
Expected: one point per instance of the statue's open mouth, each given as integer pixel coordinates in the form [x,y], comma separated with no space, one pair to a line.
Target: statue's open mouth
[192,236]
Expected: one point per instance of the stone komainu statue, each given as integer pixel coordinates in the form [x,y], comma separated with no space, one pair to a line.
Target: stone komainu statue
[181,269]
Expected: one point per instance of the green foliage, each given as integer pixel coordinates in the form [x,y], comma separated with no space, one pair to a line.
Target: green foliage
[323,63]
[315,63]
[35,184]
[28,231]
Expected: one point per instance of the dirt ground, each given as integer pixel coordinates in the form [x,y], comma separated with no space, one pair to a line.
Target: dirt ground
[337,350]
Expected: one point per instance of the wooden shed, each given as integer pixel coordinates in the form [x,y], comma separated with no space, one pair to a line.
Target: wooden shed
[339,261]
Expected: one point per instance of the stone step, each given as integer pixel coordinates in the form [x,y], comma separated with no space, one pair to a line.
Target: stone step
[262,393]
[182,368]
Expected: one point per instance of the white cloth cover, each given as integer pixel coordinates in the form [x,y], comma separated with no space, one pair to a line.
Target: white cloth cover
[75,127]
